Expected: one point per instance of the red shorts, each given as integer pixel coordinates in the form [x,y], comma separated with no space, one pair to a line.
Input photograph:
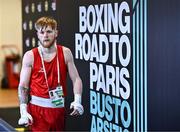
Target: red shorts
[47,119]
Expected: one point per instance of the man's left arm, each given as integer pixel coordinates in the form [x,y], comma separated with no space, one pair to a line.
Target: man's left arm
[77,83]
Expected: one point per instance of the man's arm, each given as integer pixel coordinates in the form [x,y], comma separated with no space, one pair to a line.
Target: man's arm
[23,89]
[73,73]
[76,80]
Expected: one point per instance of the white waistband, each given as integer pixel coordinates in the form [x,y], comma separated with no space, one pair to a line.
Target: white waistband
[43,102]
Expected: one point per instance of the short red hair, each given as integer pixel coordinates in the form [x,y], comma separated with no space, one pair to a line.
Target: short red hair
[44,22]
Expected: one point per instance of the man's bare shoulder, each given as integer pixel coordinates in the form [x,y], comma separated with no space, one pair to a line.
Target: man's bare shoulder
[28,53]
[66,50]
[28,58]
[67,54]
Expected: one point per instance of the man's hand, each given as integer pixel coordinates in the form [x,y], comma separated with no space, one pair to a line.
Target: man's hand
[76,106]
[77,109]
[26,119]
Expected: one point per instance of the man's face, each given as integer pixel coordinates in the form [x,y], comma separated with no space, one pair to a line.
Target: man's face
[47,36]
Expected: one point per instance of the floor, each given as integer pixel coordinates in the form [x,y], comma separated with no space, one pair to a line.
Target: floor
[8,98]
[9,107]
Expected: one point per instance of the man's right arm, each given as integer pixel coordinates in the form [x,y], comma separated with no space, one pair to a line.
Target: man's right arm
[23,89]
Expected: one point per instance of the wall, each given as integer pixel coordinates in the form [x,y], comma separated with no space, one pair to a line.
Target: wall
[10,27]
[0,21]
[163,65]
[0,38]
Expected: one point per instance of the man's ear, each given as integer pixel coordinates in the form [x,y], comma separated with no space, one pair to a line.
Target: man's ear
[37,34]
[56,33]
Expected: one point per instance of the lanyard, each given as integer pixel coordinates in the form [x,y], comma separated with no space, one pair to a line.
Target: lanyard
[45,74]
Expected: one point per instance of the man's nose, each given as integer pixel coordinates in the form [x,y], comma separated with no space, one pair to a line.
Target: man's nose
[45,34]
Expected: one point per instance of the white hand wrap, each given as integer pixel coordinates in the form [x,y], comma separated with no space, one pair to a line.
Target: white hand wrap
[26,118]
[76,104]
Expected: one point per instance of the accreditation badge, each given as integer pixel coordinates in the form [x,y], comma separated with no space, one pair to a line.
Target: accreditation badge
[56,96]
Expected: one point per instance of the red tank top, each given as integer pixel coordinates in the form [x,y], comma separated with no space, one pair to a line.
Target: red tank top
[38,86]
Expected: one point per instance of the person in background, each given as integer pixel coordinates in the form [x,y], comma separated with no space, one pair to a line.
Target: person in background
[42,86]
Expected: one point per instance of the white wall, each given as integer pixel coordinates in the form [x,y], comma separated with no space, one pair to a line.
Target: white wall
[0,21]
[10,27]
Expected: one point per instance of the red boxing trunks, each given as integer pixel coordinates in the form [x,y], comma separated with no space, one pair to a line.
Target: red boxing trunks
[47,119]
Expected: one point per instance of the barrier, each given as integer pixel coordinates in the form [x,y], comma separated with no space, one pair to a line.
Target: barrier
[4,126]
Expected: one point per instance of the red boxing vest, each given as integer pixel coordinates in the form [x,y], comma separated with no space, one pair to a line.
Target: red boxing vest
[38,86]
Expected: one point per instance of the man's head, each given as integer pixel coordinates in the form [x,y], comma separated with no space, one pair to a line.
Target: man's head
[46,31]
